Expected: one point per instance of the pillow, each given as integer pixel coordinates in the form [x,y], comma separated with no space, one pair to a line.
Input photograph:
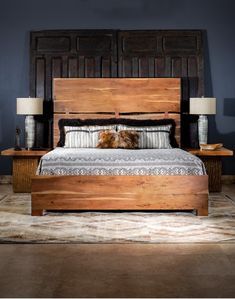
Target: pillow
[151,137]
[128,139]
[79,123]
[123,139]
[114,121]
[139,130]
[108,139]
[84,136]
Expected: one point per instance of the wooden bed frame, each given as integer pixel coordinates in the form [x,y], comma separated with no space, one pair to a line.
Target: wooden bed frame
[151,98]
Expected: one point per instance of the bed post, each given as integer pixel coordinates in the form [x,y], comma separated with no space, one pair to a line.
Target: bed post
[36,212]
[202,212]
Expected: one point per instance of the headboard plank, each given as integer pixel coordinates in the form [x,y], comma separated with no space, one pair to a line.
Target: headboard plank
[83,98]
[117,94]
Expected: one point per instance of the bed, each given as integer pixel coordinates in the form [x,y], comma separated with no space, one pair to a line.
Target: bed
[147,183]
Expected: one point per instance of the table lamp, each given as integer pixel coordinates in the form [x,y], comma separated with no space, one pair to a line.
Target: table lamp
[202,107]
[29,107]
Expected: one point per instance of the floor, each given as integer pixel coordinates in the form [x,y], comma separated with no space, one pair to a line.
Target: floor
[118,270]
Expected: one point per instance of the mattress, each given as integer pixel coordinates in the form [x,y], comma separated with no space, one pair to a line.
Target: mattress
[93,161]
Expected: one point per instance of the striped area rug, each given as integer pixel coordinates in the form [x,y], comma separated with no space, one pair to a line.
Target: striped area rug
[16,224]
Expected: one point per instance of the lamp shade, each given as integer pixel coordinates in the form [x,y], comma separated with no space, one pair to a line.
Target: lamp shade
[29,106]
[202,106]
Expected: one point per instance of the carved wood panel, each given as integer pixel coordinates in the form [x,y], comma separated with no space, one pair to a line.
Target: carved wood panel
[162,53]
[115,53]
[80,53]
[165,53]
[67,54]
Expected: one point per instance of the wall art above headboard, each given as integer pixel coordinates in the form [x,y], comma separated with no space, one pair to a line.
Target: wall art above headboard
[115,53]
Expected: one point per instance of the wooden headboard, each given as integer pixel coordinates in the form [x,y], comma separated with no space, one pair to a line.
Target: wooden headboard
[138,98]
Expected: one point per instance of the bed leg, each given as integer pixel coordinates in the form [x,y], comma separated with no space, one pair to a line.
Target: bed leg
[202,212]
[36,212]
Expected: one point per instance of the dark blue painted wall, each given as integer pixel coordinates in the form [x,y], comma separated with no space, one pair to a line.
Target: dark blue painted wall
[19,17]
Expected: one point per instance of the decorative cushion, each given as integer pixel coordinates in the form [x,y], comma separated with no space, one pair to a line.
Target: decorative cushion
[108,139]
[128,139]
[84,137]
[123,139]
[139,130]
[151,137]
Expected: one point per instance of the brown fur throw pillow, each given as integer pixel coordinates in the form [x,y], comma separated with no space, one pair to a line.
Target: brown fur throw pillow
[108,139]
[124,139]
[128,139]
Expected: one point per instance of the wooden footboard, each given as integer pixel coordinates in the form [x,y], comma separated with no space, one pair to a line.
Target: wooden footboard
[120,193]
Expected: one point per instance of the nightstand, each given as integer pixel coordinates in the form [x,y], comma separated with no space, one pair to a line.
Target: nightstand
[25,163]
[213,164]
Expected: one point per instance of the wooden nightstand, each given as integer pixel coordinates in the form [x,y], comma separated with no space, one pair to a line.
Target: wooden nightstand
[25,163]
[213,164]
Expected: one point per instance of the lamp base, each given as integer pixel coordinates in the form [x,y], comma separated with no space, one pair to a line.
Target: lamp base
[29,131]
[202,129]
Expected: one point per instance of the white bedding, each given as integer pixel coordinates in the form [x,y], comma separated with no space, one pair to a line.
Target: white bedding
[93,161]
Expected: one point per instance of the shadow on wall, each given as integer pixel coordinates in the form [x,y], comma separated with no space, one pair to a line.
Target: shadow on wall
[1,120]
[5,163]
[228,141]
[192,129]
[228,110]
[208,91]
[229,107]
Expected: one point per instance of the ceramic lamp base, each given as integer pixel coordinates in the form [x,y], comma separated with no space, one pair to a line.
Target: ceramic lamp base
[29,131]
[202,129]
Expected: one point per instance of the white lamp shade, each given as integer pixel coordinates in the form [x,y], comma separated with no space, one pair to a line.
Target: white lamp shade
[29,106]
[202,106]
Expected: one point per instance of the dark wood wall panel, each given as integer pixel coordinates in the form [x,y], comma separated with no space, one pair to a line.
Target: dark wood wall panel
[72,67]
[176,67]
[52,44]
[72,54]
[192,66]
[160,70]
[116,53]
[165,53]
[64,68]
[40,75]
[106,66]
[174,53]
[56,68]
[89,67]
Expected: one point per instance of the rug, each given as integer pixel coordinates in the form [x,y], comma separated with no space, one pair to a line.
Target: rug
[17,226]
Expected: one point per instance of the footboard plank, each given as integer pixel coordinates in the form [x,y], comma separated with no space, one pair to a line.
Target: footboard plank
[120,193]
[120,184]
[149,203]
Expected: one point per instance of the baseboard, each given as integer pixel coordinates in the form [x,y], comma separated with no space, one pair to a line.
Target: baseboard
[5,179]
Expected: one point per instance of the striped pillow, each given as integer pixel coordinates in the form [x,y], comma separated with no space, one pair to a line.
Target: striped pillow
[114,121]
[151,136]
[84,136]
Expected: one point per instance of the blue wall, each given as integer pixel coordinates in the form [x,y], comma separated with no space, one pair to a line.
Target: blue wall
[18,18]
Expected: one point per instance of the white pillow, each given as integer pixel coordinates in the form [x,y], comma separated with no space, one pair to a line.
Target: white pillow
[84,136]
